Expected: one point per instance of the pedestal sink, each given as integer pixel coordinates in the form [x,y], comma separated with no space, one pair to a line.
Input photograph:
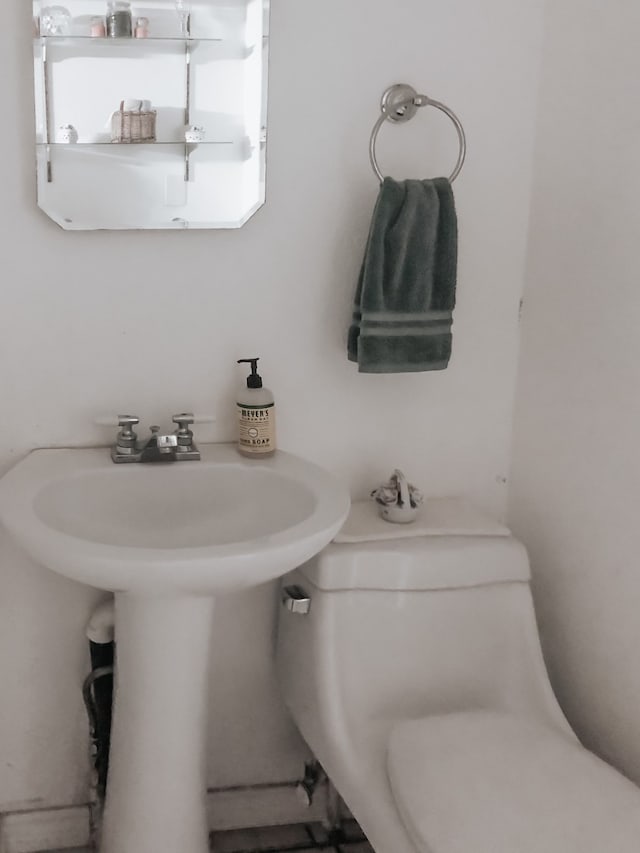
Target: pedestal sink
[166,539]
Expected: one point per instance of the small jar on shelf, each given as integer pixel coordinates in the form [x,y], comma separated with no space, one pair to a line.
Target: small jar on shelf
[119,22]
[97,28]
[142,28]
[55,21]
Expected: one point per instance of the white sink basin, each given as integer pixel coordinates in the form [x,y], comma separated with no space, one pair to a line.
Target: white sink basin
[219,524]
[167,538]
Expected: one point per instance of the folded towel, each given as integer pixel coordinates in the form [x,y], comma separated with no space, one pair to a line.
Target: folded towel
[406,291]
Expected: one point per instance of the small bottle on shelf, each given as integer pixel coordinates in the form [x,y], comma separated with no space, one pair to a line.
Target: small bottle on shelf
[142,28]
[98,29]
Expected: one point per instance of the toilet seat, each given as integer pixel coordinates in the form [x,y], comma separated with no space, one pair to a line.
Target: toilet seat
[492,782]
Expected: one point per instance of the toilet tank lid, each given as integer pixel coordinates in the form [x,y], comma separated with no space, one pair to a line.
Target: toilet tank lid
[436,517]
[419,563]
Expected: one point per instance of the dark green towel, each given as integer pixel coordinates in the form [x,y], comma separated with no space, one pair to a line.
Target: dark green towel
[406,292]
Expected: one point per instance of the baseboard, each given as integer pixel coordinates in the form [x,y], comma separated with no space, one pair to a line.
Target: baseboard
[227,808]
[262,805]
[45,829]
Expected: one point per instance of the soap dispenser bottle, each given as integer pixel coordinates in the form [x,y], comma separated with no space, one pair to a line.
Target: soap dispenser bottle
[256,416]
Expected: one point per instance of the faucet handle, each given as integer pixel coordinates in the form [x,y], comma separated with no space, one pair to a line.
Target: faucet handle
[117,420]
[126,438]
[185,419]
[184,434]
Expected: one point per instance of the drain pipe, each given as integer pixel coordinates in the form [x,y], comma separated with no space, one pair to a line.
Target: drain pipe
[101,626]
[97,691]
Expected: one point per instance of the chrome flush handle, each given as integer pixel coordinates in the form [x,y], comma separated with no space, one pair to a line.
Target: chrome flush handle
[296,600]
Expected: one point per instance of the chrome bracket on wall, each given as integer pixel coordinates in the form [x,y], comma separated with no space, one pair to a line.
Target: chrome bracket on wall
[47,115]
[187,101]
[399,102]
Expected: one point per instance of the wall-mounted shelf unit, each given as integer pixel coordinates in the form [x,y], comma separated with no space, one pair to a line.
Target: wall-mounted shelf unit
[196,84]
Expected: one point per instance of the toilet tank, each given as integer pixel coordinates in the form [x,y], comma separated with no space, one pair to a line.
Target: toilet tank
[411,627]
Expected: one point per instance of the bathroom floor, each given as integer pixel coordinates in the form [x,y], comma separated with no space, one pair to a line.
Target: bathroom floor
[297,838]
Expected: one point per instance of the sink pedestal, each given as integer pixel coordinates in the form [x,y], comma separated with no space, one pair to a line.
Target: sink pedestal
[156,795]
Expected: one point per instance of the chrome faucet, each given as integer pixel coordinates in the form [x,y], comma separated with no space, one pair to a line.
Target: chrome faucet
[177,446]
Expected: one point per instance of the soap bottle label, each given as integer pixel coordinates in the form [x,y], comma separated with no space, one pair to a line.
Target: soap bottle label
[256,428]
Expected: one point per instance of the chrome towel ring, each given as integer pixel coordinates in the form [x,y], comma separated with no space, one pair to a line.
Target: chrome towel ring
[399,104]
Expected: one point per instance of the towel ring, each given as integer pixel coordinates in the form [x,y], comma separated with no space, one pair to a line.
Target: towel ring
[399,104]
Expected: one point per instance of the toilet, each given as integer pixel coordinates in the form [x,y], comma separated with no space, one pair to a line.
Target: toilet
[412,668]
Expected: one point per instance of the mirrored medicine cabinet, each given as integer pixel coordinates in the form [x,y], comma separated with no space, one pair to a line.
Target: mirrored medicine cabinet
[150,114]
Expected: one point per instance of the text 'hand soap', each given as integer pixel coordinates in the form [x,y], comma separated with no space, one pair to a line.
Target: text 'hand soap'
[256,416]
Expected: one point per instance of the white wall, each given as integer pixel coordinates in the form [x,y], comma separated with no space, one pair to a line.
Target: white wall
[576,474]
[153,323]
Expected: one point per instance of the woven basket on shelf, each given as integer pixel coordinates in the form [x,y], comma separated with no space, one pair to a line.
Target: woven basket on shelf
[133,125]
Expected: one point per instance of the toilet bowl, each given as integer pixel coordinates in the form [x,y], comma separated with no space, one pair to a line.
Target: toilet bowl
[415,675]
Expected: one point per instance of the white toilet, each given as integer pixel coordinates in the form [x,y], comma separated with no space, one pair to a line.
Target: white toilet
[416,678]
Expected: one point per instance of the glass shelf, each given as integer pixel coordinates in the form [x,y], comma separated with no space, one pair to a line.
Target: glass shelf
[133,145]
[119,42]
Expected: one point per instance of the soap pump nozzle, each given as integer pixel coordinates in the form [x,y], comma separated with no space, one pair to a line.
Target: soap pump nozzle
[254,380]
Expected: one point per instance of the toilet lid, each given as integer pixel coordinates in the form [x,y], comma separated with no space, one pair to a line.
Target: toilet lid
[496,783]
